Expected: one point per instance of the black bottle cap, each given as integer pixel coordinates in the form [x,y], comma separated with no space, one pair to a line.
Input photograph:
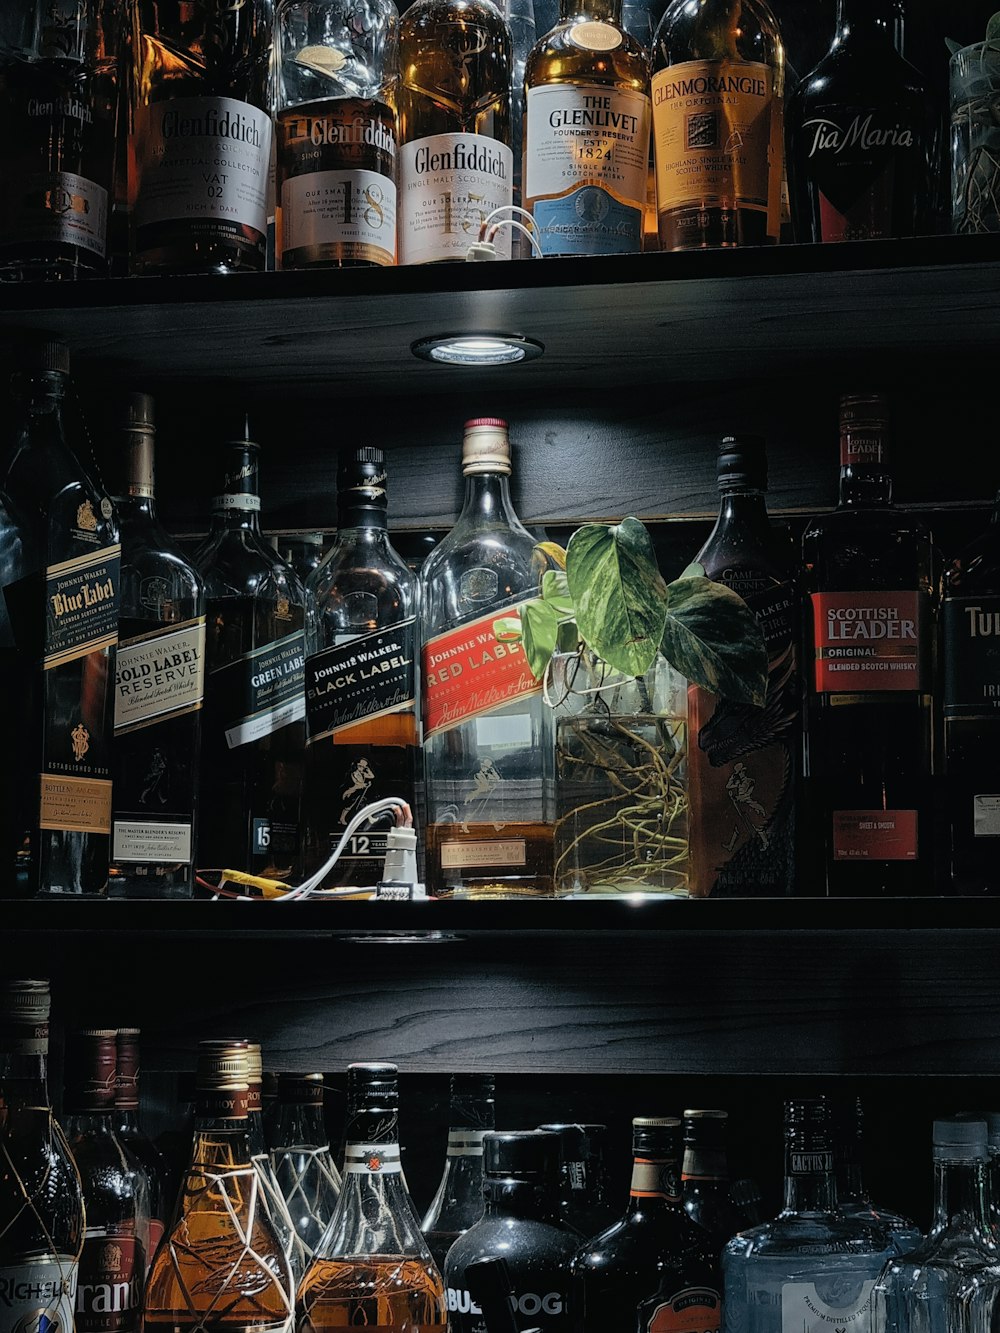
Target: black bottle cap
[33,354]
[657,1136]
[580,1143]
[524,1154]
[372,1084]
[706,1129]
[742,462]
[361,480]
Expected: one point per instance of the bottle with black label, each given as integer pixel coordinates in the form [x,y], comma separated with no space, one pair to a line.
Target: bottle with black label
[361,717]
[458,1200]
[583,1204]
[253,729]
[159,689]
[59,578]
[521,1224]
[655,1265]
[743,761]
[860,143]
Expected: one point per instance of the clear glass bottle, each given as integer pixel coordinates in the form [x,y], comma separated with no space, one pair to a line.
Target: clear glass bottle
[993,1170]
[950,1283]
[458,1200]
[705,1176]
[115,1197]
[41,1201]
[337,69]
[303,551]
[253,728]
[456,164]
[291,1241]
[852,1196]
[488,744]
[361,711]
[373,1266]
[59,588]
[221,1267]
[300,1158]
[583,1202]
[587,120]
[159,689]
[811,1267]
[131,1135]
[718,84]
[520,16]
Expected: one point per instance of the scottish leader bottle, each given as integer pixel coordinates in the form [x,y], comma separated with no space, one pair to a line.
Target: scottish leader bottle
[870,575]
[253,728]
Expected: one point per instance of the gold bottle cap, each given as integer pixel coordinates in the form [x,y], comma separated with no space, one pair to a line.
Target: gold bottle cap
[255,1062]
[486,447]
[655,1122]
[223,1065]
[25,1002]
[706,1115]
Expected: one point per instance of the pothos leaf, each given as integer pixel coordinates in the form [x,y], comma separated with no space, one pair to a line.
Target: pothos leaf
[711,636]
[554,551]
[555,592]
[540,630]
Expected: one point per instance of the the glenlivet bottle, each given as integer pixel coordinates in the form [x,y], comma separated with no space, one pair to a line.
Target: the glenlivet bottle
[488,740]
[859,135]
[59,587]
[253,729]
[870,575]
[361,722]
[159,689]
[744,762]
[458,1200]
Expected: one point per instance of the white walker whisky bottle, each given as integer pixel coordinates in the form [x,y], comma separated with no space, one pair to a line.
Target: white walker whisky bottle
[337,68]
[253,728]
[456,159]
[200,135]
[59,577]
[159,689]
[587,145]
[363,736]
[488,741]
[718,88]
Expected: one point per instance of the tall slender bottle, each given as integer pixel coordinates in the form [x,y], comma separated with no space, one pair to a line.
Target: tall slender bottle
[871,578]
[159,689]
[373,1266]
[718,90]
[456,164]
[520,16]
[853,1198]
[361,722]
[131,1135]
[705,1176]
[301,1159]
[458,1200]
[744,762]
[587,125]
[41,1202]
[337,68]
[488,742]
[59,577]
[253,729]
[115,1198]
[291,1241]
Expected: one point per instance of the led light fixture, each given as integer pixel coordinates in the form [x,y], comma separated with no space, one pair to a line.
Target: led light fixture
[477,349]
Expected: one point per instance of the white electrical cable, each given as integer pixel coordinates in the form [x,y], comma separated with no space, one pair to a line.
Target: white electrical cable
[310,888]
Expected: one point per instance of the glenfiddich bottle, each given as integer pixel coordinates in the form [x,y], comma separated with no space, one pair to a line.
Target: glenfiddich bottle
[587,132]
[718,88]
[744,762]
[337,70]
[253,728]
[200,140]
[458,1200]
[363,734]
[159,689]
[859,135]
[488,741]
[59,578]
[456,159]
[870,574]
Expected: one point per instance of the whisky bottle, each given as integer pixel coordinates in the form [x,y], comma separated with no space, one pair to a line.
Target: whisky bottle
[301,1159]
[859,135]
[582,1181]
[302,550]
[744,762]
[221,1268]
[59,73]
[337,68]
[200,137]
[373,1267]
[718,89]
[488,744]
[131,1135]
[870,576]
[361,723]
[705,1176]
[520,16]
[253,728]
[587,132]
[456,164]
[59,575]
[458,1200]
[113,1262]
[291,1242]
[159,689]
[41,1203]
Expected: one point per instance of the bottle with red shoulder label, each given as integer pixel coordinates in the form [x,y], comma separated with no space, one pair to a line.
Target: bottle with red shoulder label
[870,632]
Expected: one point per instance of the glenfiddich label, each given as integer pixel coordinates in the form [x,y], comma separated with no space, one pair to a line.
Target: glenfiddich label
[803,1310]
[448,185]
[262,691]
[108,1293]
[468,672]
[81,605]
[354,682]
[867,641]
[159,675]
[971,639]
[38,1295]
[875,835]
[693,1310]
[54,207]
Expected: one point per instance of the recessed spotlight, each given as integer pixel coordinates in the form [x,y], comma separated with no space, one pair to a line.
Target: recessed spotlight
[477,349]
